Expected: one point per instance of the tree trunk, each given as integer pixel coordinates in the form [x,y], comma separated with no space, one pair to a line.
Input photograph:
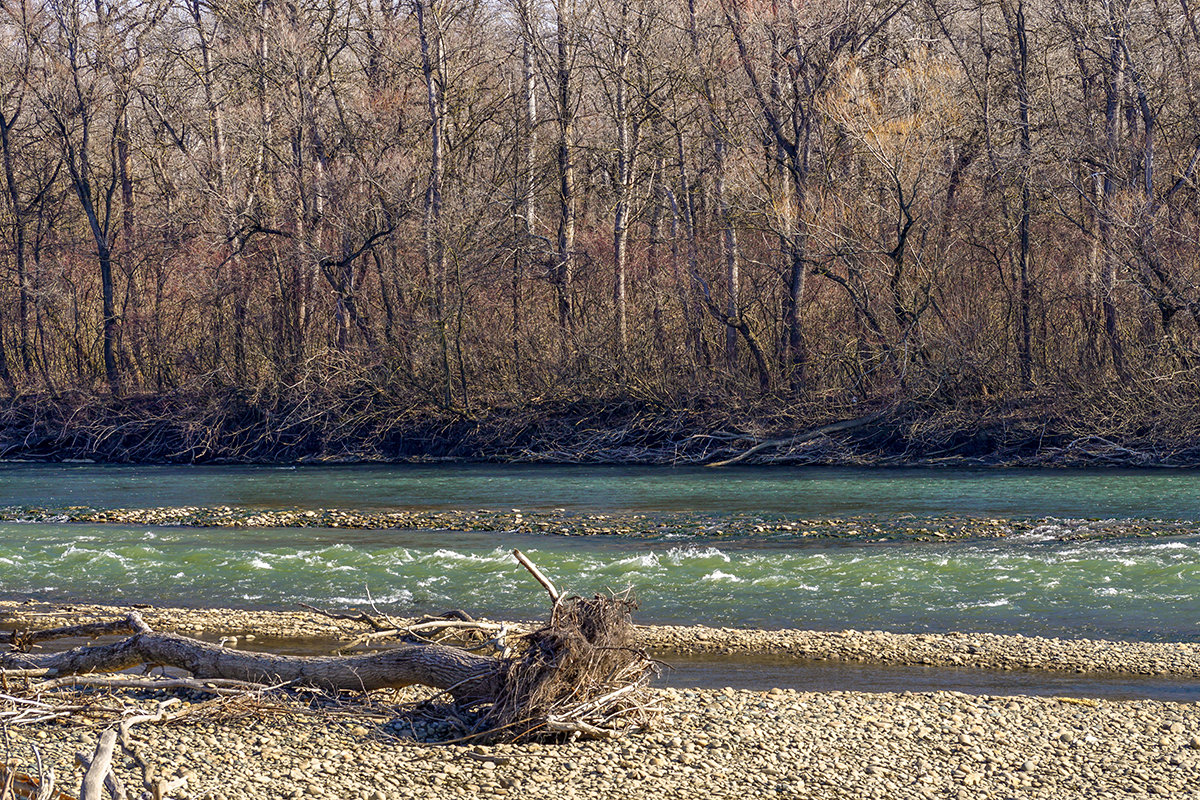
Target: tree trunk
[432,66]
[104,259]
[565,271]
[525,178]
[18,211]
[438,666]
[625,165]
[1021,69]
[724,213]
[1108,202]
[5,375]
[579,673]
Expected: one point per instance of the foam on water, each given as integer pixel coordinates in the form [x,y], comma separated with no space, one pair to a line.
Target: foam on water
[1116,589]
[677,555]
[644,560]
[986,603]
[401,598]
[719,575]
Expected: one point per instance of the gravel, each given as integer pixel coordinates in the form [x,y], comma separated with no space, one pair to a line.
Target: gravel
[712,527]
[984,650]
[719,743]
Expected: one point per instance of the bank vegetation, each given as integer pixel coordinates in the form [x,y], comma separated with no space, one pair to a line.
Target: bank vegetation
[350,227]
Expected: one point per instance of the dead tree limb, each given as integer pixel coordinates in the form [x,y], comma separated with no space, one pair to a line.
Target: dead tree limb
[358,616]
[792,441]
[580,673]
[93,779]
[157,788]
[88,629]
[538,576]
[405,665]
[116,789]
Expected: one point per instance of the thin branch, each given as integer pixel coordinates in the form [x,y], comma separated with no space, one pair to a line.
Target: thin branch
[538,576]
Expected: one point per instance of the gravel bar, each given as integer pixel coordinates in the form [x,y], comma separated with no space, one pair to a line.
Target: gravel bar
[983,650]
[710,527]
[716,743]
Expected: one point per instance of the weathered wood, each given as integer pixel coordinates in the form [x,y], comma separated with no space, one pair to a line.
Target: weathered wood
[109,628]
[538,576]
[579,671]
[791,441]
[116,789]
[430,665]
[93,780]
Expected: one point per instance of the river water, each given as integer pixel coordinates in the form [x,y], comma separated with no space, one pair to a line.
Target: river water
[810,491]
[1142,588]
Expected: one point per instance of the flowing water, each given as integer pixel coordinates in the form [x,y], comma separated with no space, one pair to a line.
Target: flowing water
[1123,588]
[1136,587]
[811,491]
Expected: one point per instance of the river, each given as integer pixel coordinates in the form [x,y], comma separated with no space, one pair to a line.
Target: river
[1142,588]
[808,491]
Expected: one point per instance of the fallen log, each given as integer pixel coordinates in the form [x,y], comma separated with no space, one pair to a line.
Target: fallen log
[441,667]
[799,438]
[575,674]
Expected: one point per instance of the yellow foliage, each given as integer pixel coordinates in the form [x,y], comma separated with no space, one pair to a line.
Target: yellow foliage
[891,108]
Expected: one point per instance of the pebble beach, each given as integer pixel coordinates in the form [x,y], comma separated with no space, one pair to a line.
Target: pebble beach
[716,743]
[712,742]
[629,525]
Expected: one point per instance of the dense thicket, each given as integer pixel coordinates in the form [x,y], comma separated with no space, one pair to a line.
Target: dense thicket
[459,204]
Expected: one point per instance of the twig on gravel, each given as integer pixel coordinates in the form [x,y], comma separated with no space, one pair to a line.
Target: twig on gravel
[217,686]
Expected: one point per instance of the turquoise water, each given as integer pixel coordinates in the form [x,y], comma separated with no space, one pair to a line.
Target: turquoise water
[1159,494]
[1135,588]
[760,672]
[1139,589]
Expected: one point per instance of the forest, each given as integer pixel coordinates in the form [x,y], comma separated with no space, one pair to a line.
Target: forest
[288,219]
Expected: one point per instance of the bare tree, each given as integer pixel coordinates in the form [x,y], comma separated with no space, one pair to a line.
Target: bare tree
[86,86]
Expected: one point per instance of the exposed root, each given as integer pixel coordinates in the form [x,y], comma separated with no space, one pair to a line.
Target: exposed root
[580,674]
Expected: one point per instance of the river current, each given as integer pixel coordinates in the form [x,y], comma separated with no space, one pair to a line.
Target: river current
[1137,588]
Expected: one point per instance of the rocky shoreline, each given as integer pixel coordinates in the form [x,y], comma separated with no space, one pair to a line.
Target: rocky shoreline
[633,525]
[719,743]
[715,743]
[978,650]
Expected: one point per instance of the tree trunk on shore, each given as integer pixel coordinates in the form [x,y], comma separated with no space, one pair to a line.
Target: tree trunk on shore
[577,674]
[442,667]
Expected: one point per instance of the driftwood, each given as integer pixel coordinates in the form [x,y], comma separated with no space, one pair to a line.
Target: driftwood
[99,775]
[792,441]
[579,674]
[432,665]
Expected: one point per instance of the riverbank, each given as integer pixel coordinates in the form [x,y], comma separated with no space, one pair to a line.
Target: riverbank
[1065,428]
[776,743]
[715,743]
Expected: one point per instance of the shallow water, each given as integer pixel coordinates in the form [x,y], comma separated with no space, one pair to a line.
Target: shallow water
[765,671]
[811,491]
[760,673]
[1135,589]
